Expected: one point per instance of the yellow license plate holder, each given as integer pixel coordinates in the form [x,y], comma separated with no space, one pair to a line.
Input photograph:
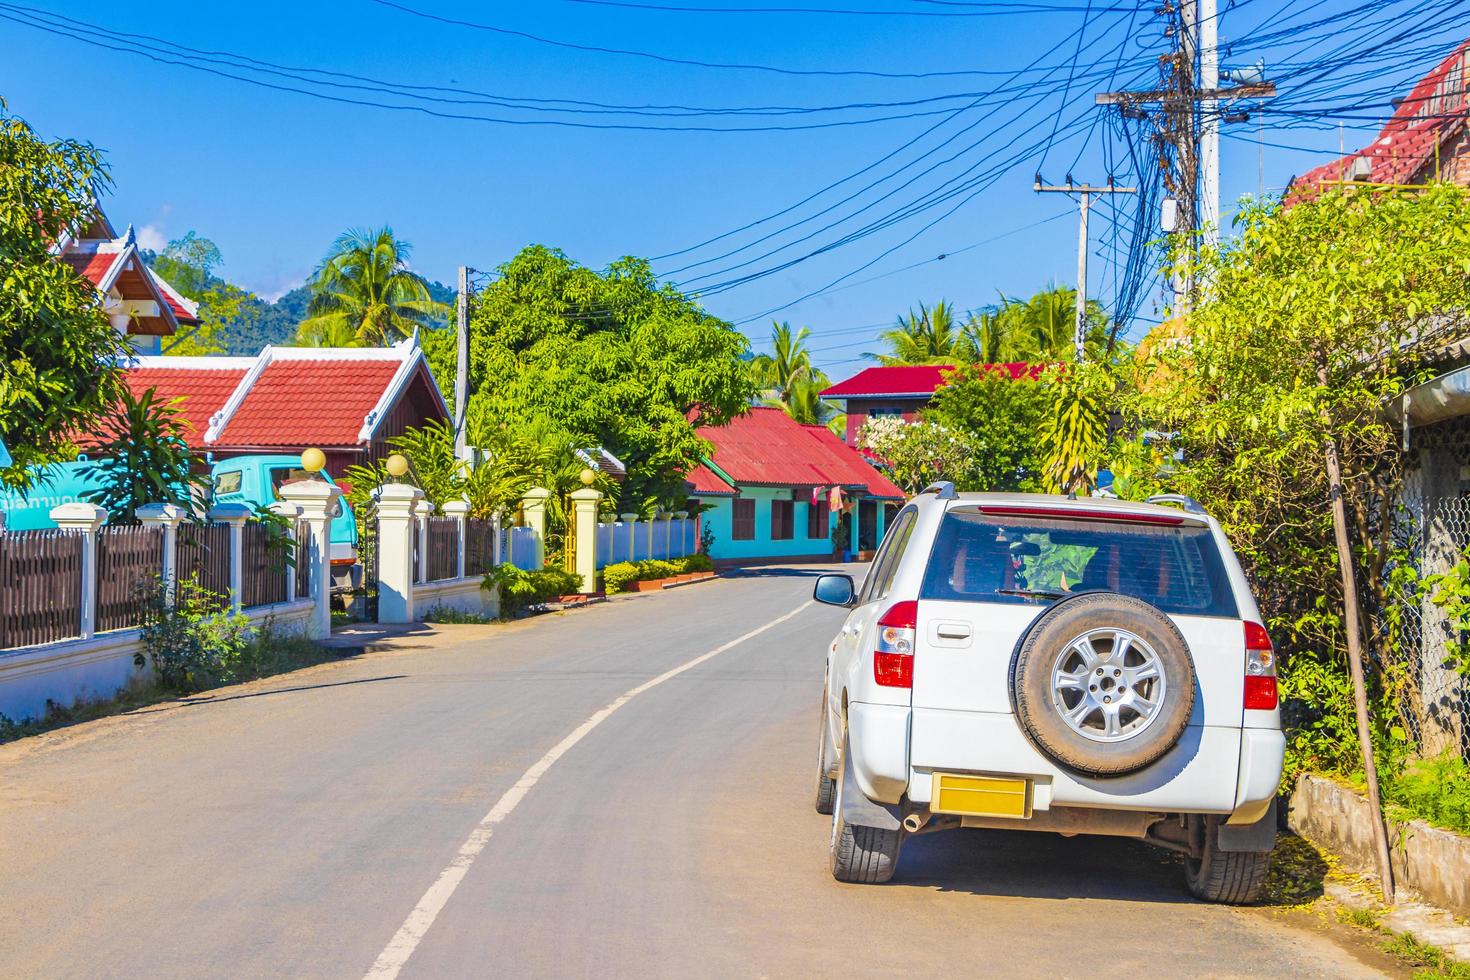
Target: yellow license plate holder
[981,796]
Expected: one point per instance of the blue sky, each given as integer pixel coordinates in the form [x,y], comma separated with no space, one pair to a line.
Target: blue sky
[273,176]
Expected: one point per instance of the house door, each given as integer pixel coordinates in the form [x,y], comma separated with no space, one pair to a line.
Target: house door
[867,525]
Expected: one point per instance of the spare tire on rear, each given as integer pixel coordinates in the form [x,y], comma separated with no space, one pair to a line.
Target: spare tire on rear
[1103,683]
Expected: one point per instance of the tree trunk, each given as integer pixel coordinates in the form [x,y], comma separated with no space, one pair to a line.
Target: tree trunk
[1355,663]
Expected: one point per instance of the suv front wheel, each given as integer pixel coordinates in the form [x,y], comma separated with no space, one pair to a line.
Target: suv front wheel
[865,855]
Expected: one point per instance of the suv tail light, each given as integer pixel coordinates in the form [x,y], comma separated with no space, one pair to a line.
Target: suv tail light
[893,656]
[1260,669]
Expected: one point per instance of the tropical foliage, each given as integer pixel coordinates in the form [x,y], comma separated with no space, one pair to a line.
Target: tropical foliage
[364,294]
[1035,330]
[56,346]
[1001,419]
[1313,319]
[787,379]
[144,458]
[609,359]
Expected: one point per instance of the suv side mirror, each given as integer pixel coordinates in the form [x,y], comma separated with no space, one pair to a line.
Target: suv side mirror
[834,590]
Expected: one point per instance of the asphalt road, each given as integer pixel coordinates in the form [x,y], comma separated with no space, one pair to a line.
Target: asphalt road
[354,815]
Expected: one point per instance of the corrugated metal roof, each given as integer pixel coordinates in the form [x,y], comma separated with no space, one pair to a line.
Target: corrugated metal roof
[916,380]
[766,447]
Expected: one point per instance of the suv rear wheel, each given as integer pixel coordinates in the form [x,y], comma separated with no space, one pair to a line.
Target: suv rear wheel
[865,855]
[1232,877]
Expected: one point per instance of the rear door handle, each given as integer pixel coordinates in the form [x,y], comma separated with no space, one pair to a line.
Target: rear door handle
[953,631]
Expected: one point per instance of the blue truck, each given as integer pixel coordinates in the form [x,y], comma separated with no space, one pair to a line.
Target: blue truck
[249,480]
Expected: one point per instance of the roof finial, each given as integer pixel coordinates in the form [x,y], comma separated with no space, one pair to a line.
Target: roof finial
[128,237]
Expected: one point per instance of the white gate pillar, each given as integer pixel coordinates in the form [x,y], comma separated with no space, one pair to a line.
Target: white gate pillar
[86,518]
[319,504]
[395,504]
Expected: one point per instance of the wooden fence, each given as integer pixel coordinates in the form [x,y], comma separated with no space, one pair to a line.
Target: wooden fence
[40,587]
[443,548]
[204,555]
[128,563]
[264,554]
[479,546]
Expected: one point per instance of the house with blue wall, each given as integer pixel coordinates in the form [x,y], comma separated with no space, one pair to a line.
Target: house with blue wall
[774,489]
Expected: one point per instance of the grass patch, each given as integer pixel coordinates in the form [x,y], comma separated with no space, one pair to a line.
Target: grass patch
[1435,962]
[457,617]
[1362,918]
[1435,790]
[59,716]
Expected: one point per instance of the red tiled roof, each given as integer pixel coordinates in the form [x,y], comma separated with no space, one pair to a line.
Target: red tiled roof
[308,402]
[705,482]
[91,266]
[1405,146]
[202,392]
[766,447]
[918,380]
[172,297]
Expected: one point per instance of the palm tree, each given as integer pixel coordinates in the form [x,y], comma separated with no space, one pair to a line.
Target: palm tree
[787,366]
[928,337]
[806,405]
[364,289]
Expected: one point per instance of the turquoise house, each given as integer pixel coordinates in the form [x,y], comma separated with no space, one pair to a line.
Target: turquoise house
[776,490]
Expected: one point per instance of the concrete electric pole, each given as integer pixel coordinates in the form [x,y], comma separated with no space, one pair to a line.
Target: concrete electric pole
[1084,192]
[462,364]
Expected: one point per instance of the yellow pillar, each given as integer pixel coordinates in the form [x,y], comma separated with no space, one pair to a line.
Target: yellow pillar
[584,506]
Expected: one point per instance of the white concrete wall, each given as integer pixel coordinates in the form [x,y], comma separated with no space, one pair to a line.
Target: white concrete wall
[77,671]
[461,594]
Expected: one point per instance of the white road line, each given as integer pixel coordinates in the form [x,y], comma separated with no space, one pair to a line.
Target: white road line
[411,933]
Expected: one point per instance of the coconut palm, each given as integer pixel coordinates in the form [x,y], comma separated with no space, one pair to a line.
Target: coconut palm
[927,337]
[806,405]
[787,365]
[364,289]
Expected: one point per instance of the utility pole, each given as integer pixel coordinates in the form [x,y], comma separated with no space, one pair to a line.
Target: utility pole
[1188,108]
[1084,192]
[462,366]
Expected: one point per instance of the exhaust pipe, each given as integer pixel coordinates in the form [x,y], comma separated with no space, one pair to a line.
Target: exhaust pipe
[915,821]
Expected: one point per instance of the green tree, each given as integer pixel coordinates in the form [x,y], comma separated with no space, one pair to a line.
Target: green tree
[188,263]
[57,349]
[1002,417]
[1036,330]
[144,458]
[364,288]
[610,359]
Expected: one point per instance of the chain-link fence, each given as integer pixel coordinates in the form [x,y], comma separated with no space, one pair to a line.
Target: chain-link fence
[1436,695]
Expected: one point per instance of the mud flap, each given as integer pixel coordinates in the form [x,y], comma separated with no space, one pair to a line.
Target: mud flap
[857,809]
[1259,837]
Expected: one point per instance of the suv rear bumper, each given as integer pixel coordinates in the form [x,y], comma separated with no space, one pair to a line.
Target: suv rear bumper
[896,750]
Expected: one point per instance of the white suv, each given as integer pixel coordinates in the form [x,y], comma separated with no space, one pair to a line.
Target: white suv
[1028,662]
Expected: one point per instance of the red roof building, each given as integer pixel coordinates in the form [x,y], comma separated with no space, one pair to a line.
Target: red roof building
[346,401]
[1425,139]
[902,390]
[138,302]
[771,484]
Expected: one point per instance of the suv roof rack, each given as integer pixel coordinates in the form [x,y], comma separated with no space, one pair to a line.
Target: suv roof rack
[1188,503]
[942,489]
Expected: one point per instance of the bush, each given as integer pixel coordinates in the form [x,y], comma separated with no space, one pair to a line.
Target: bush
[656,568]
[520,589]
[619,576]
[699,563]
[192,644]
[1436,790]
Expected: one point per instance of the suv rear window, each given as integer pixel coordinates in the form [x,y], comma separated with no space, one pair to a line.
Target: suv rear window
[989,558]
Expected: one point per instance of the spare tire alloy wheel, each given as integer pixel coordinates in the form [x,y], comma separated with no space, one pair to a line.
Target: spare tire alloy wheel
[1103,683]
[1108,684]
